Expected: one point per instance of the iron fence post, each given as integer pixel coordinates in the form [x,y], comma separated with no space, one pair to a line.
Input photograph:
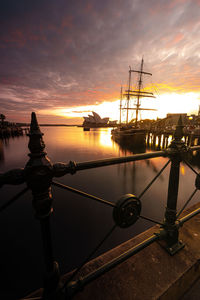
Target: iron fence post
[171,226]
[39,173]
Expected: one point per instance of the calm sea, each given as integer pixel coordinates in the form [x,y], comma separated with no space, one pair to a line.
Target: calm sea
[78,224]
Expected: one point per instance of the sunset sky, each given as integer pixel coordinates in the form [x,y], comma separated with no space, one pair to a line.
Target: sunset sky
[65,58]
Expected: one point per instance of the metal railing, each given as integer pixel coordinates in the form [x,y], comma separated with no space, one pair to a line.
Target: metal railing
[38,175]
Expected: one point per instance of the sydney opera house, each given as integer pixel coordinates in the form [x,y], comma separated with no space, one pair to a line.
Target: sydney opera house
[95,120]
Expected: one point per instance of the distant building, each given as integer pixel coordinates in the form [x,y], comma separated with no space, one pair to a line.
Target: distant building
[95,120]
[172,119]
[113,123]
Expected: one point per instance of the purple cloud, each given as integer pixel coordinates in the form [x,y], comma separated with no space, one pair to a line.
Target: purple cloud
[70,53]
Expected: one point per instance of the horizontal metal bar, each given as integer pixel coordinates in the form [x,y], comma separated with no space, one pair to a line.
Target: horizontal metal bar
[108,266]
[194,148]
[189,216]
[68,188]
[117,160]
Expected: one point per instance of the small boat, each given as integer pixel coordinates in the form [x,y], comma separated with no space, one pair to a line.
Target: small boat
[86,128]
[133,133]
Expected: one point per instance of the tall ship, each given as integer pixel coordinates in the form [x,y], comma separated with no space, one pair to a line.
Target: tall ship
[133,132]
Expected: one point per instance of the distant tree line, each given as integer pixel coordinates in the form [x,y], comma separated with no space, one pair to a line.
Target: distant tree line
[2,118]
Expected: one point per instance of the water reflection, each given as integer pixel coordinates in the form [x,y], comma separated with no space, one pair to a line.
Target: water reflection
[78,224]
[1,151]
[98,136]
[195,159]
[158,142]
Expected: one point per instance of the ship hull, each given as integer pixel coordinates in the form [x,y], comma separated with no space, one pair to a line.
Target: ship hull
[134,136]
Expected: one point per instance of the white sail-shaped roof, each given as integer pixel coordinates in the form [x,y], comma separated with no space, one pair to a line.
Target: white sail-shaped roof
[95,119]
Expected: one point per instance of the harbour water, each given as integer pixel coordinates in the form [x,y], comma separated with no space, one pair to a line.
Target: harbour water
[78,224]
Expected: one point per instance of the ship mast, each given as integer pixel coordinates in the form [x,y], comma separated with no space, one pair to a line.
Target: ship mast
[137,93]
[139,89]
[120,107]
[128,94]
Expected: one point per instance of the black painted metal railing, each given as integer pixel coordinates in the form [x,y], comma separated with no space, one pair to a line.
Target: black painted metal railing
[38,175]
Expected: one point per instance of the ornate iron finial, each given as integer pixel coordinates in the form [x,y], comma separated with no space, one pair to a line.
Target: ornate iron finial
[34,128]
[39,171]
[36,143]
[179,130]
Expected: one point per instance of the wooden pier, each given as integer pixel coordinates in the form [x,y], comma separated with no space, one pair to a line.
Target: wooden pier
[160,139]
[11,131]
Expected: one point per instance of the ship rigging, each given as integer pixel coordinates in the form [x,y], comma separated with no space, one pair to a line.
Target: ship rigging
[138,93]
[133,132]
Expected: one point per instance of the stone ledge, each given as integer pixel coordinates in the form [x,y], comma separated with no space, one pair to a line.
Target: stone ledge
[151,273]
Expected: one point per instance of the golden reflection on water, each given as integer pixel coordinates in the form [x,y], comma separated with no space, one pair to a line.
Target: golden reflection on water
[182,169]
[99,138]
[75,137]
[160,142]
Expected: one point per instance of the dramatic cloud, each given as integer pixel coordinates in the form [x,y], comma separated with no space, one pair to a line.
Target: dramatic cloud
[62,54]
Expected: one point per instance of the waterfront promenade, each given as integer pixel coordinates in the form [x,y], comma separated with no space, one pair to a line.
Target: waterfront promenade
[150,274]
[194,292]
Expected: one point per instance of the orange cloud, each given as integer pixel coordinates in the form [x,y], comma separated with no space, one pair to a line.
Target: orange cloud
[179,87]
[175,40]
[178,38]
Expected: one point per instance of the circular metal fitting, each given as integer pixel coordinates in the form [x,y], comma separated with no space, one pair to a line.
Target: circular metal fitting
[127,210]
[197,182]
